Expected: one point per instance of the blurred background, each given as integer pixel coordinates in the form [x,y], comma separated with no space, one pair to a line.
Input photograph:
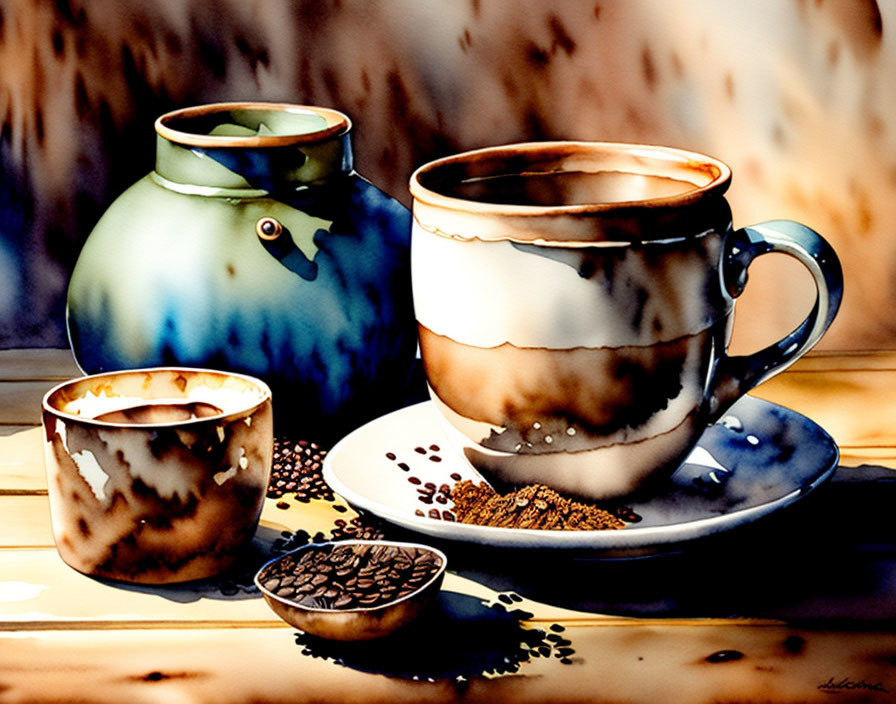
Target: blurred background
[798,96]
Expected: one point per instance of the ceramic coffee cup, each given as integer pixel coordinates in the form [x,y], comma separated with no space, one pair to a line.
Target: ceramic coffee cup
[157,475]
[574,304]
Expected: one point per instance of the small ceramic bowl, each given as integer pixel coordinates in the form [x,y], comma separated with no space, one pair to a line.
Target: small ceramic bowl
[352,589]
[157,475]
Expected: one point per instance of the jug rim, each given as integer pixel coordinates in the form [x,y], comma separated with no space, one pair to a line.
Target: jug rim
[336,123]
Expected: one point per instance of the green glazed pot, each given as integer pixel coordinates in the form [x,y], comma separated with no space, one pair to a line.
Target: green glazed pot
[255,247]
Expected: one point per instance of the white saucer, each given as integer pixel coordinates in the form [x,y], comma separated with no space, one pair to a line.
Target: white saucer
[759,458]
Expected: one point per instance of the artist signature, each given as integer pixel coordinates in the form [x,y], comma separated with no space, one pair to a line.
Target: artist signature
[833,686]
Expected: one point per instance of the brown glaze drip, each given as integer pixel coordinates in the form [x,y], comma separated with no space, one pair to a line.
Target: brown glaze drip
[567,395]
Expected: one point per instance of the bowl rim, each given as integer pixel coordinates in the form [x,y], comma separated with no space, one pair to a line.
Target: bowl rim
[266,397]
[438,574]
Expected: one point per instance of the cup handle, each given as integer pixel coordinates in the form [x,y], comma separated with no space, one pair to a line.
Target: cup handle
[735,375]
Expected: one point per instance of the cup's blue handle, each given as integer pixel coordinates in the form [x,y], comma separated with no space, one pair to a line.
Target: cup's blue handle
[735,375]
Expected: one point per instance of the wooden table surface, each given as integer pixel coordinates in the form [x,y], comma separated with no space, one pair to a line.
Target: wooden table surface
[798,607]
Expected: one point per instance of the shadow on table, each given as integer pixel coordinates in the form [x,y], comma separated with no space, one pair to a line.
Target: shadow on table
[459,637]
[825,558]
[830,557]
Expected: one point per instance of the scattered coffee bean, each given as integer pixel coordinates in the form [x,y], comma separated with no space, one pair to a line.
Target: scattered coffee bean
[359,528]
[724,656]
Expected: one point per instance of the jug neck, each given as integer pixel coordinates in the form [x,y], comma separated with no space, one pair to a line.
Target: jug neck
[250,149]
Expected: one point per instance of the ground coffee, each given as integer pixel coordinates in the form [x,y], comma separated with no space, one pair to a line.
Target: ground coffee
[534,506]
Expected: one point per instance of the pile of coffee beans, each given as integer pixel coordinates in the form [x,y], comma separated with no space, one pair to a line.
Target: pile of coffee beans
[297,470]
[350,575]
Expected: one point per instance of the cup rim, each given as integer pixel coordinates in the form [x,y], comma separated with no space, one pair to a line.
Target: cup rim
[719,176]
[337,124]
[265,397]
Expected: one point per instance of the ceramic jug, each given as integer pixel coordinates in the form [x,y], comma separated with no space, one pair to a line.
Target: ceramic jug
[254,246]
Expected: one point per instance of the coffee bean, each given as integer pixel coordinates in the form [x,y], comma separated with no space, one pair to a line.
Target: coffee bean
[724,656]
[344,601]
[404,466]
